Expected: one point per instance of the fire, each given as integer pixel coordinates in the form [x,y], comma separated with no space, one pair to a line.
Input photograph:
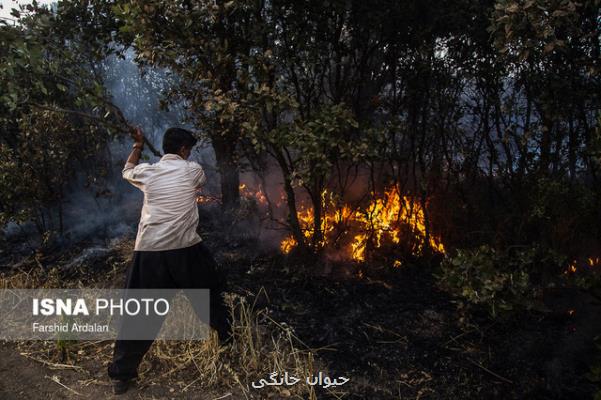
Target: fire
[287,245]
[258,194]
[329,222]
[352,232]
[204,199]
[574,266]
[383,220]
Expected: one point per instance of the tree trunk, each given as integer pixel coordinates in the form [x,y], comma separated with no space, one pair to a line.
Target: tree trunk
[317,215]
[295,227]
[228,168]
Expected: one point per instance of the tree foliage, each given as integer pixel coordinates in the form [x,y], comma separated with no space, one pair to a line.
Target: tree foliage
[55,117]
[486,113]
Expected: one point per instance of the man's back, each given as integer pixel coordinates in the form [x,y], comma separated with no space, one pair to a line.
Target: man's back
[168,251]
[169,215]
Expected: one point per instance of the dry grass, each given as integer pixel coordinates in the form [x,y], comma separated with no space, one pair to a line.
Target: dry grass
[259,346]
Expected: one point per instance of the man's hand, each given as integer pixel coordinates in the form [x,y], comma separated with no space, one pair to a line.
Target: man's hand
[138,136]
[136,152]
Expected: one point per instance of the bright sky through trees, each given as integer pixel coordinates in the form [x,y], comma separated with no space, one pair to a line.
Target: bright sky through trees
[7,5]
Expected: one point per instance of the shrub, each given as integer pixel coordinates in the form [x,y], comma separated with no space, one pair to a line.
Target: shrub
[500,281]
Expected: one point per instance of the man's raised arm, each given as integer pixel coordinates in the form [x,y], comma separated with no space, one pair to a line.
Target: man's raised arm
[129,170]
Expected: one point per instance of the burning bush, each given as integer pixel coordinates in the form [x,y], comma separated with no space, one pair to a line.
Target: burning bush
[391,220]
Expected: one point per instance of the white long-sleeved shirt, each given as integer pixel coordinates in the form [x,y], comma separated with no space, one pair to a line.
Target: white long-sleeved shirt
[169,215]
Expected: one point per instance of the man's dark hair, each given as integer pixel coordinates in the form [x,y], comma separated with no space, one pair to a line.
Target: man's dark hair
[175,138]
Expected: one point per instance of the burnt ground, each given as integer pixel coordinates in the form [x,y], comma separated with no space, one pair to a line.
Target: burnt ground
[390,330]
[398,336]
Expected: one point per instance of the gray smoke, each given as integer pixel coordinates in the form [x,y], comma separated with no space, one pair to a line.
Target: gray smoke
[112,208]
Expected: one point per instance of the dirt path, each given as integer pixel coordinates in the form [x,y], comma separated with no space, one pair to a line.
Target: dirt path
[22,378]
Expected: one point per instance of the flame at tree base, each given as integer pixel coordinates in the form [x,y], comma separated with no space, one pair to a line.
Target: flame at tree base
[390,219]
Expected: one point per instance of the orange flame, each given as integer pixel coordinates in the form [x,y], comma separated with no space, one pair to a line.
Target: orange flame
[574,266]
[382,220]
[258,194]
[328,224]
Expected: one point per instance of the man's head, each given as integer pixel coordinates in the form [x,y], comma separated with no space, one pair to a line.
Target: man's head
[178,141]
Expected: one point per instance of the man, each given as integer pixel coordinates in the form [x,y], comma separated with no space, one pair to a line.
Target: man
[168,251]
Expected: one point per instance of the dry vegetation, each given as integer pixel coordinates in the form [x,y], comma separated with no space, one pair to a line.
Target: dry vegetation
[260,345]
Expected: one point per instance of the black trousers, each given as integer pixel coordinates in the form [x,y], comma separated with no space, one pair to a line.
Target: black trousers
[190,267]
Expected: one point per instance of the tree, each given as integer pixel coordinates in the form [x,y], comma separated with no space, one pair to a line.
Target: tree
[209,45]
[55,117]
[553,49]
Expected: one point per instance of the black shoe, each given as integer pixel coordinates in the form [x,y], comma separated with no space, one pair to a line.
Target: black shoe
[120,387]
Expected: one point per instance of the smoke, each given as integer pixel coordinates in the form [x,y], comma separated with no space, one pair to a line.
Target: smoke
[111,207]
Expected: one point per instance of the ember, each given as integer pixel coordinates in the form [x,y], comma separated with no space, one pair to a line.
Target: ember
[594,261]
[574,266]
[245,191]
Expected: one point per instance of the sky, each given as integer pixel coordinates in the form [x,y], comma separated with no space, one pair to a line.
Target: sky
[7,5]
